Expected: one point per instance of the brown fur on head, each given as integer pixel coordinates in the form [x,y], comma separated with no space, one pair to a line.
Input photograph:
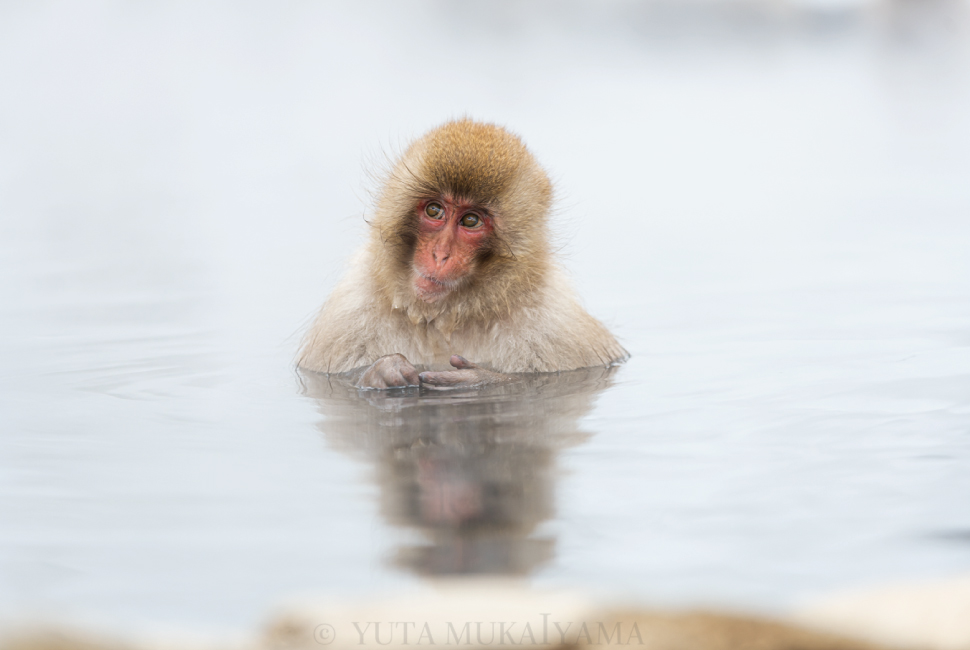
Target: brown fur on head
[486,165]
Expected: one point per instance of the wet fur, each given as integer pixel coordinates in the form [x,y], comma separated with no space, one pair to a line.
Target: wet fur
[514,313]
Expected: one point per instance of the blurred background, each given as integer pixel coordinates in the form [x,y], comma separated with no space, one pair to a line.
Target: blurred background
[768,202]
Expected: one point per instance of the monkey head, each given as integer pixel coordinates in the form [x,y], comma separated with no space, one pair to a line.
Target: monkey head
[461,222]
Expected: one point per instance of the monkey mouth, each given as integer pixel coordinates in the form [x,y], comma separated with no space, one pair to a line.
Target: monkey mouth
[430,289]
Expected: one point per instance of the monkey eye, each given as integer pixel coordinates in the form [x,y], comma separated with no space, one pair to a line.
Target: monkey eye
[434,211]
[471,220]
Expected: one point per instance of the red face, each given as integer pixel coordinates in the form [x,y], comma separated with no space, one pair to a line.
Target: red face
[450,233]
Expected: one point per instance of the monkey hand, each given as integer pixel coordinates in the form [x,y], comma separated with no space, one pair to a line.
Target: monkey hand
[391,371]
[467,375]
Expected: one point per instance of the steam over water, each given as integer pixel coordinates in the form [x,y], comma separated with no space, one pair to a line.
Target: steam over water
[768,203]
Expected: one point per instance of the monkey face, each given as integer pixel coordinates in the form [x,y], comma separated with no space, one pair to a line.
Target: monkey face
[451,234]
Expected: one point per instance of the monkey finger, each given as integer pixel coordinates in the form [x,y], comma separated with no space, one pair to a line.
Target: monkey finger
[371,379]
[451,379]
[400,377]
[393,380]
[461,362]
[410,375]
[391,371]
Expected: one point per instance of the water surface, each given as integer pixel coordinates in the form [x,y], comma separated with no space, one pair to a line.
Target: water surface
[769,208]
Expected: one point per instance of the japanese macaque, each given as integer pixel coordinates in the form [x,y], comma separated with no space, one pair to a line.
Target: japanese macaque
[457,270]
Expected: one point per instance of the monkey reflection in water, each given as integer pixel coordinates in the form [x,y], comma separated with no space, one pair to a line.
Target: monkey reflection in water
[473,470]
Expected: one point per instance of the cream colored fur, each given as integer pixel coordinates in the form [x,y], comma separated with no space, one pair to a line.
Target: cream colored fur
[516,313]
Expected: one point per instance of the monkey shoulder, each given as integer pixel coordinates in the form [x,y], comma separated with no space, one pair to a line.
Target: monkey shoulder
[352,329]
[555,335]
